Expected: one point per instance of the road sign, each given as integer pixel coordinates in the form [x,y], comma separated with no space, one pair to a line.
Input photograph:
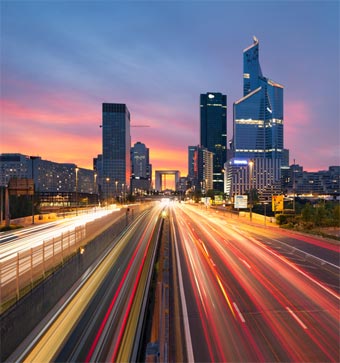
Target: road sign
[241,201]
[277,203]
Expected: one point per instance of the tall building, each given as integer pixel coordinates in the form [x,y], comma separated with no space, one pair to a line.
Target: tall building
[141,172]
[213,132]
[257,130]
[55,184]
[116,150]
[200,168]
[258,115]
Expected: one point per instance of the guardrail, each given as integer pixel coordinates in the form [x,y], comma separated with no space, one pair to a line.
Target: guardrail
[20,273]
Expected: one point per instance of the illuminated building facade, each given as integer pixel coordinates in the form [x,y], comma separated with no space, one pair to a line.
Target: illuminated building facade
[262,174]
[141,173]
[258,115]
[56,184]
[116,169]
[257,129]
[213,132]
[201,165]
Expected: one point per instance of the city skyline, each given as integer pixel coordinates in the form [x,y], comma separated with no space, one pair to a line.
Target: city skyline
[61,61]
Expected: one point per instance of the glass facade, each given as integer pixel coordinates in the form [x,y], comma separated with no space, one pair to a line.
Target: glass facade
[200,168]
[141,168]
[213,132]
[258,116]
[116,149]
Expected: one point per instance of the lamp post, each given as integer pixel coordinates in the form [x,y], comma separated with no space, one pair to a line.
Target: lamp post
[116,182]
[107,191]
[250,164]
[95,186]
[265,213]
[77,169]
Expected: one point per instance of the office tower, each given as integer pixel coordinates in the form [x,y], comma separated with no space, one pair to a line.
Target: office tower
[200,168]
[141,173]
[116,150]
[258,115]
[191,165]
[258,130]
[214,132]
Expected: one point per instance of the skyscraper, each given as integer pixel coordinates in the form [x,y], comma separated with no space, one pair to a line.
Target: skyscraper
[214,132]
[116,149]
[200,165]
[258,144]
[141,168]
[258,115]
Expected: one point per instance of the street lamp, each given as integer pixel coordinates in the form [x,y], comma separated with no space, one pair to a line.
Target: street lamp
[77,169]
[107,191]
[116,182]
[250,164]
[95,187]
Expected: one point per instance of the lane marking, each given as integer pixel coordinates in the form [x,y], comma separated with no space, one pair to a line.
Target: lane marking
[296,318]
[239,313]
[246,263]
[190,353]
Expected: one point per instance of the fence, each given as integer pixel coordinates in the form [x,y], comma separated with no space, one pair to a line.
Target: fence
[19,274]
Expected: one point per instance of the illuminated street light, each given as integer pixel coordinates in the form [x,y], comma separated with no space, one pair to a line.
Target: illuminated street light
[107,190]
[77,169]
[250,164]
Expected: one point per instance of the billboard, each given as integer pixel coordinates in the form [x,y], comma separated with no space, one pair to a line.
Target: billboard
[277,203]
[241,201]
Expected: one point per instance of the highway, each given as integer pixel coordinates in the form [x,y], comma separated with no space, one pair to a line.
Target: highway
[248,293]
[248,296]
[24,239]
[100,320]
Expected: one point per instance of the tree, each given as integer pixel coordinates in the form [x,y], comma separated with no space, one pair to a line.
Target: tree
[307,213]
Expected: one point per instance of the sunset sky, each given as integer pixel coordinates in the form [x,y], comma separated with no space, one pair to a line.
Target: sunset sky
[60,60]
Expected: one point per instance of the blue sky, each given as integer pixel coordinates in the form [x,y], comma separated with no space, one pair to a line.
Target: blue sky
[61,59]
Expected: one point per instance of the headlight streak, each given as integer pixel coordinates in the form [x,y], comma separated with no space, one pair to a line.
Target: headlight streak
[57,228]
[99,339]
[300,303]
[48,344]
[129,305]
[187,333]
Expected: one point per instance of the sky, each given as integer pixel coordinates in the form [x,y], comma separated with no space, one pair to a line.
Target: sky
[60,60]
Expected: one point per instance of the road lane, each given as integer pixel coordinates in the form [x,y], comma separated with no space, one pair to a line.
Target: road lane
[251,304]
[17,241]
[89,326]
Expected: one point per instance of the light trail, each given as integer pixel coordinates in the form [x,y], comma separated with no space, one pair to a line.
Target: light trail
[39,234]
[282,316]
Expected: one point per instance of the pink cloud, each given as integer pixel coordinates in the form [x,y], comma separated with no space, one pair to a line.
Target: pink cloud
[306,140]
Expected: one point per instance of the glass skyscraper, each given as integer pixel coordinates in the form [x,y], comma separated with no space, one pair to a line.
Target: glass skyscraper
[141,168]
[214,132]
[258,116]
[258,147]
[116,149]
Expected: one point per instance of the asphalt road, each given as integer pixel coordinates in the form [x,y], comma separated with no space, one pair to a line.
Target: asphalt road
[255,293]
[93,324]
